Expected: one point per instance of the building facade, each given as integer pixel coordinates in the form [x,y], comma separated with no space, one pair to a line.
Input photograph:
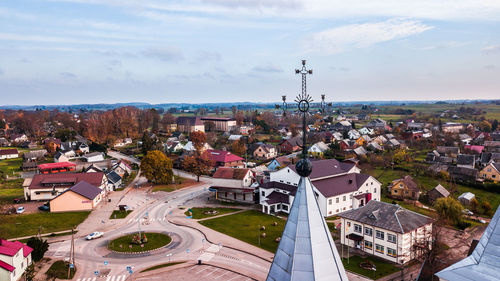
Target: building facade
[15,257]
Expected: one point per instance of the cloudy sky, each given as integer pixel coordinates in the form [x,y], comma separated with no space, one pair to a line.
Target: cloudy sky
[107,51]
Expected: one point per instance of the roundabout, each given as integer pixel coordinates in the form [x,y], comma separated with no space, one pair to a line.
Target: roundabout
[138,243]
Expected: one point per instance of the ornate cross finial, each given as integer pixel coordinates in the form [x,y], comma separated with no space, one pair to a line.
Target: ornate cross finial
[283,106]
[304,166]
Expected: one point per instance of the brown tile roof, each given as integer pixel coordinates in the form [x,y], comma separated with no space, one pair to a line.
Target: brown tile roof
[230,173]
[277,197]
[327,167]
[8,151]
[42,181]
[339,185]
[408,181]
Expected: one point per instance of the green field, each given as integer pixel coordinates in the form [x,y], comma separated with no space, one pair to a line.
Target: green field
[155,241]
[12,226]
[59,270]
[9,194]
[384,268]
[245,226]
[162,266]
[198,212]
[11,166]
[120,214]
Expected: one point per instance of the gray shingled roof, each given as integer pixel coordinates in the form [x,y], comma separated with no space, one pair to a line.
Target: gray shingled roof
[439,188]
[387,216]
[327,168]
[339,185]
[484,262]
[465,159]
[86,190]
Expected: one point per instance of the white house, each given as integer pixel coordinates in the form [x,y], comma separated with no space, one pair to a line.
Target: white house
[317,149]
[190,147]
[338,186]
[15,257]
[9,153]
[366,131]
[233,184]
[93,157]
[353,134]
[60,157]
[387,231]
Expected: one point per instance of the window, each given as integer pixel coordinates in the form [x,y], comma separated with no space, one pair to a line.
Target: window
[371,183]
[343,198]
[400,185]
[368,245]
[343,208]
[263,193]
[358,228]
[406,191]
[348,224]
[391,252]
[379,248]
[337,200]
[391,238]
[395,191]
[337,211]
[350,196]
[375,190]
[379,234]
[329,201]
[368,231]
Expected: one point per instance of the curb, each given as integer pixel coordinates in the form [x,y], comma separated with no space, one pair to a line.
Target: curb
[206,238]
[143,252]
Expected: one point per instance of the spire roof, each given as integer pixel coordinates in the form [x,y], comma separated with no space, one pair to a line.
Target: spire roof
[306,250]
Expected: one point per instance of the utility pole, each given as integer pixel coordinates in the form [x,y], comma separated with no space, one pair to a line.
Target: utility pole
[71,252]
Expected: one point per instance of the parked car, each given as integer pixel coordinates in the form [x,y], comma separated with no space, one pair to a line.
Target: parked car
[94,235]
[17,200]
[482,221]
[44,208]
[20,210]
[467,212]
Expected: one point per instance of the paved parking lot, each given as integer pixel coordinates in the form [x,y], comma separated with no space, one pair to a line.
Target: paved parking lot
[30,207]
[197,272]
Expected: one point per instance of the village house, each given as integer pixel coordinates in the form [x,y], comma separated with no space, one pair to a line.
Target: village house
[491,172]
[222,158]
[18,138]
[82,196]
[190,147]
[9,153]
[317,149]
[123,142]
[453,128]
[188,124]
[232,184]
[489,157]
[279,162]
[265,151]
[114,180]
[448,151]
[290,145]
[404,188]
[377,124]
[220,124]
[34,155]
[342,126]
[366,131]
[338,185]
[492,146]
[15,257]
[437,192]
[466,161]
[93,157]
[387,231]
[43,187]
[463,174]
[121,168]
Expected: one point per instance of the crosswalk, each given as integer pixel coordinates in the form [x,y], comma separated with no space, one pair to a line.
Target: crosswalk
[108,278]
[144,220]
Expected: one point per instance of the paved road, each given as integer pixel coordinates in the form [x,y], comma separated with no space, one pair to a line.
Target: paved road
[188,244]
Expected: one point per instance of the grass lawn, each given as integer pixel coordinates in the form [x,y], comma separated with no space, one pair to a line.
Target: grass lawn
[383,268]
[59,270]
[245,226]
[198,212]
[155,241]
[10,166]
[161,266]
[120,214]
[171,187]
[27,224]
[14,183]
[8,194]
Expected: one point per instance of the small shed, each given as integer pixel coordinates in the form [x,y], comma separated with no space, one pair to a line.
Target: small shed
[437,192]
[465,198]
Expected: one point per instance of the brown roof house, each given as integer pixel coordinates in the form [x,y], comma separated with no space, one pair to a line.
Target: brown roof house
[265,151]
[437,192]
[405,188]
[82,196]
[233,184]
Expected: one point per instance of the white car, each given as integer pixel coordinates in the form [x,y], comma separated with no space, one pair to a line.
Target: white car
[467,212]
[20,210]
[94,235]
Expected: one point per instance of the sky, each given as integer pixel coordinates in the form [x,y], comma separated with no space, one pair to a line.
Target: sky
[198,51]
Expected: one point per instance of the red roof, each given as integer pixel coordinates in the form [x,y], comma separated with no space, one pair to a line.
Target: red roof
[43,181]
[222,156]
[58,165]
[6,266]
[230,173]
[10,248]
[8,151]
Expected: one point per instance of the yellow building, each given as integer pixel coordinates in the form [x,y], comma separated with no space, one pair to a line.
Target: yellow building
[81,197]
[491,172]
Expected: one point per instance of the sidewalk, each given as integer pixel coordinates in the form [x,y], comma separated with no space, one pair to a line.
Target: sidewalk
[215,237]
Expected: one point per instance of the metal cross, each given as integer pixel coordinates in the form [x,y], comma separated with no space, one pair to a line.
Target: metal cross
[284,105]
[303,100]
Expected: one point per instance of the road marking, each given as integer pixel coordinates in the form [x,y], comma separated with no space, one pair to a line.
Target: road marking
[193,267]
[222,275]
[213,271]
[237,276]
[206,267]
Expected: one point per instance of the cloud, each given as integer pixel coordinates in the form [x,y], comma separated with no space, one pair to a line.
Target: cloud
[339,39]
[205,56]
[164,53]
[489,67]
[267,68]
[491,49]
[342,68]
[1,72]
[67,75]
[116,63]
[257,4]
[445,45]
